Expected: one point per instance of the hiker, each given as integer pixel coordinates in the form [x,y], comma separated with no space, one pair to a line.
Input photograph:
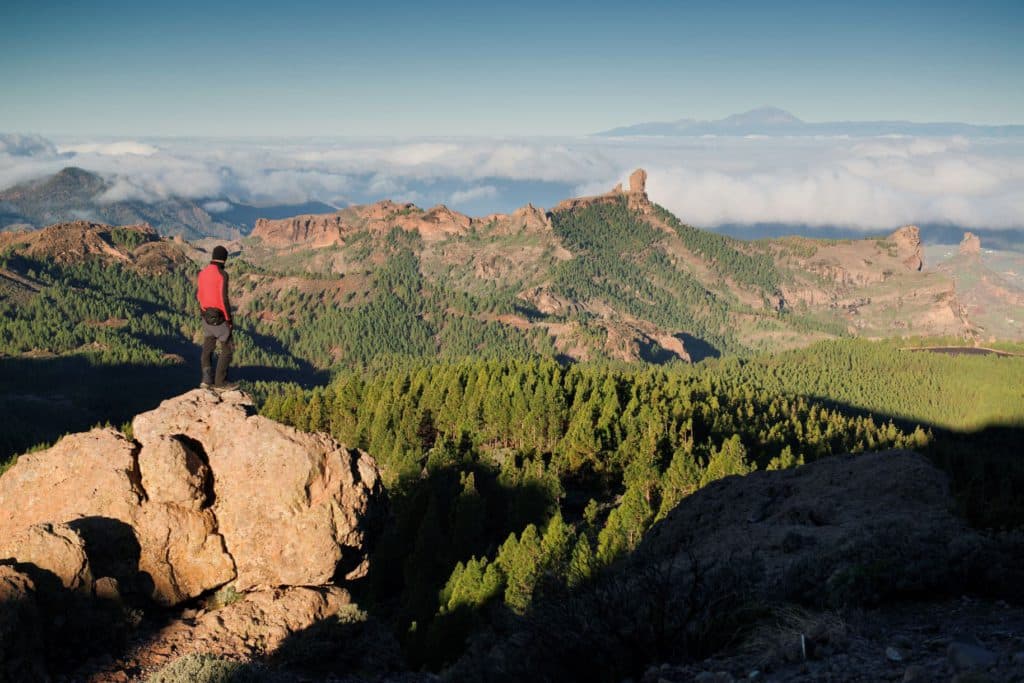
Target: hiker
[216,314]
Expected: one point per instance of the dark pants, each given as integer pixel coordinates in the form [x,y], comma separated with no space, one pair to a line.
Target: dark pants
[211,335]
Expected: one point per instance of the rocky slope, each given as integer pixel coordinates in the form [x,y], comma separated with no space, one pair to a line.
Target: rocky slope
[795,571]
[137,246]
[206,496]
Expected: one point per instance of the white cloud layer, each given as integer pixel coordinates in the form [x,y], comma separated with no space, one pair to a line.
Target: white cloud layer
[218,206]
[111,149]
[868,183]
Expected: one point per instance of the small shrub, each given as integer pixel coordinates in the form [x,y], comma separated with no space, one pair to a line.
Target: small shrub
[794,633]
[226,595]
[7,464]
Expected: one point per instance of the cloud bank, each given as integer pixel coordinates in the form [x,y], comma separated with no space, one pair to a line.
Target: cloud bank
[861,183]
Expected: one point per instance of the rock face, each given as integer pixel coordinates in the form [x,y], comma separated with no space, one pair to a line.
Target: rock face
[51,551]
[970,244]
[254,625]
[309,230]
[908,246]
[208,494]
[433,225]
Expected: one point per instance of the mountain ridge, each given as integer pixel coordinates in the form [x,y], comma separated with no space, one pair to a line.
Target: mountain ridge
[611,276]
[769,120]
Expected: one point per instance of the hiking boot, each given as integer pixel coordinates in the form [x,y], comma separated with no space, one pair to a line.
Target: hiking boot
[205,385]
[226,386]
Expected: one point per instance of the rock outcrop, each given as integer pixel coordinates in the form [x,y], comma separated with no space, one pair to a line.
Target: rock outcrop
[288,505]
[207,494]
[638,181]
[88,476]
[135,246]
[908,246]
[970,245]
[256,624]
[317,230]
[636,196]
[433,225]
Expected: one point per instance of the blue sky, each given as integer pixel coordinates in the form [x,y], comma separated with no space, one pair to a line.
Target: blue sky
[523,68]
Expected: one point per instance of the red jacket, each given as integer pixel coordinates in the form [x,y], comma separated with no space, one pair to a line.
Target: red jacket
[213,289]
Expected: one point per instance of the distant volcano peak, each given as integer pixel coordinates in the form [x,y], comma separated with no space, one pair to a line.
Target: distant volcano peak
[765,116]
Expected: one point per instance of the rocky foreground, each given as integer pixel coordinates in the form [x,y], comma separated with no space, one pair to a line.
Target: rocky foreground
[207,499]
[212,537]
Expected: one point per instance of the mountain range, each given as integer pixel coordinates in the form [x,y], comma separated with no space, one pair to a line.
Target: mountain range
[778,122]
[612,276]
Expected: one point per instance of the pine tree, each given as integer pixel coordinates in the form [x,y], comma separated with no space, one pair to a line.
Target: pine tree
[730,459]
[582,563]
[682,478]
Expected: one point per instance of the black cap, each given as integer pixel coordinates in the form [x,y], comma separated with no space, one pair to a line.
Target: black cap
[220,254]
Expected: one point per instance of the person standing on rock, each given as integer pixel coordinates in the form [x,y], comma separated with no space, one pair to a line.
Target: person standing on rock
[215,308]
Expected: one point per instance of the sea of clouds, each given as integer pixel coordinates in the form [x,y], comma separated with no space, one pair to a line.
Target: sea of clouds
[860,183]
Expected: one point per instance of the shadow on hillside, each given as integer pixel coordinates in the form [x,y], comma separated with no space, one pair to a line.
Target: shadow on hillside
[697,347]
[41,399]
[985,466]
[986,471]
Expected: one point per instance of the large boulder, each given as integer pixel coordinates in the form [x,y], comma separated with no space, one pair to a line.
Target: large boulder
[289,505]
[207,496]
[209,493]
